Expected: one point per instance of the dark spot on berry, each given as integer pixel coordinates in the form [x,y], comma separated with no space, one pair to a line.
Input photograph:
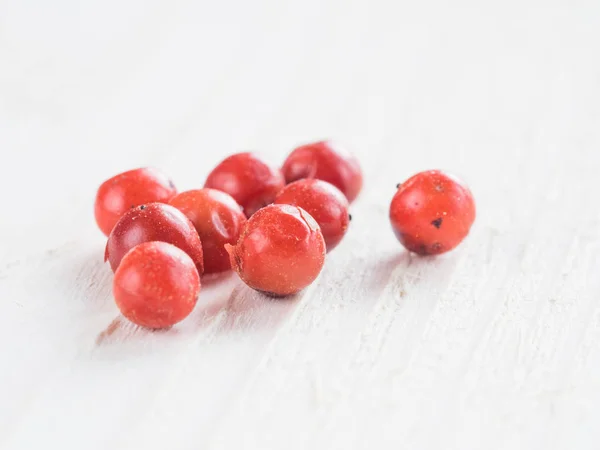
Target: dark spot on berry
[398,185]
[436,247]
[132,206]
[143,207]
[350,217]
[439,187]
[437,223]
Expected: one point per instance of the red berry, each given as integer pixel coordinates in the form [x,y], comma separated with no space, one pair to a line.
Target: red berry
[128,190]
[218,220]
[250,181]
[324,202]
[432,212]
[280,252]
[328,162]
[153,222]
[156,285]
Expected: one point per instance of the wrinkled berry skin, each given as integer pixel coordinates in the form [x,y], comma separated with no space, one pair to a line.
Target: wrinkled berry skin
[156,285]
[153,222]
[324,202]
[127,190]
[280,252]
[249,180]
[328,162]
[218,219]
[432,212]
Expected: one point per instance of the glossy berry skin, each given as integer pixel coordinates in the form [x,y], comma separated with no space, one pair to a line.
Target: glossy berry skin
[218,219]
[249,180]
[153,222]
[432,212]
[324,202]
[156,285]
[280,252]
[128,190]
[328,162]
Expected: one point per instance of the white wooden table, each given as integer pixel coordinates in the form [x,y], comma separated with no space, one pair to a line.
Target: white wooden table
[494,346]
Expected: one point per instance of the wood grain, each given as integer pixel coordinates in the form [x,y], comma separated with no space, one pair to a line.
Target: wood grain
[495,345]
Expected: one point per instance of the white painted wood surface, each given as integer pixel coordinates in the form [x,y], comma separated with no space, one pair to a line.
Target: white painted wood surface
[494,346]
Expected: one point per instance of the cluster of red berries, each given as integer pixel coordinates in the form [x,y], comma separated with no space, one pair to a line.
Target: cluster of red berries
[273,227]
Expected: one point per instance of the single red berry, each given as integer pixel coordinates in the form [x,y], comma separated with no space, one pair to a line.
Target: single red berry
[218,219]
[156,285]
[324,202]
[328,162]
[153,222]
[249,180]
[280,252]
[128,190]
[432,212]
